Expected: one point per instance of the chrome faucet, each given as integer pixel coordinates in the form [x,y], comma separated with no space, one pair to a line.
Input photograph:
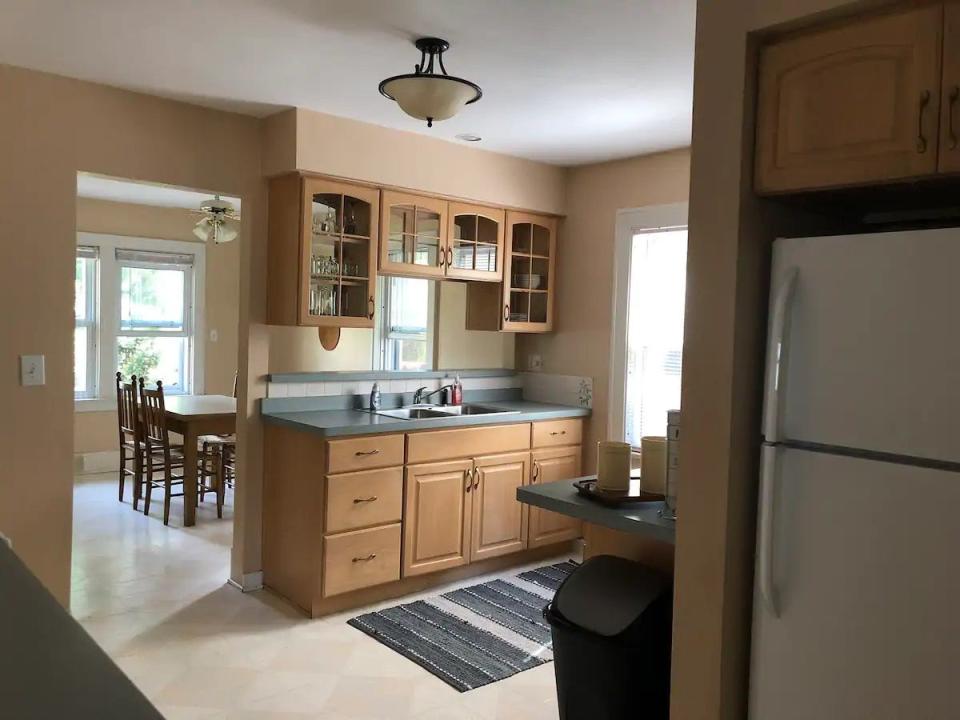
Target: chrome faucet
[419,396]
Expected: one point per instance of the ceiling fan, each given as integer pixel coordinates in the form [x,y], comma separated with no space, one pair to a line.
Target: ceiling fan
[220,221]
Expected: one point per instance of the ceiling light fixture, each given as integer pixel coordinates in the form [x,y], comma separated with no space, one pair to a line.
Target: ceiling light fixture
[427,95]
[469,137]
[219,223]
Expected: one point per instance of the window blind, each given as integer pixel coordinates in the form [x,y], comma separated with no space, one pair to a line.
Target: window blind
[155,258]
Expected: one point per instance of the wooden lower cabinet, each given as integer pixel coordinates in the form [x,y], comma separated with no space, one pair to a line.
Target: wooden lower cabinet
[360,559]
[436,519]
[549,465]
[499,522]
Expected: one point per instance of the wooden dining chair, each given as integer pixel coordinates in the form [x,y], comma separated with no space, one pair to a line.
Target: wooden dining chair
[128,425]
[165,458]
[226,447]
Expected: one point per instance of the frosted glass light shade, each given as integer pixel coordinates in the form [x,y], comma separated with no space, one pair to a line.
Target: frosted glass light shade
[430,97]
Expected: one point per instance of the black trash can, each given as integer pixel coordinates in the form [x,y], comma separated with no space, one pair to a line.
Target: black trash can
[611,624]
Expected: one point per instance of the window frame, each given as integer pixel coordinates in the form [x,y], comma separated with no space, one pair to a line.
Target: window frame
[630,222]
[91,322]
[382,334]
[108,304]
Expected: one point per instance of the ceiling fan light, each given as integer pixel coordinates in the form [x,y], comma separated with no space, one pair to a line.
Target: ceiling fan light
[226,231]
[202,229]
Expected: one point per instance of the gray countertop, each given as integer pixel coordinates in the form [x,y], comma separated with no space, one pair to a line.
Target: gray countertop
[341,423]
[638,518]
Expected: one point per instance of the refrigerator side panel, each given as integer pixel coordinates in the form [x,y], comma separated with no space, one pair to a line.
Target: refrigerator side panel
[872,356]
[867,581]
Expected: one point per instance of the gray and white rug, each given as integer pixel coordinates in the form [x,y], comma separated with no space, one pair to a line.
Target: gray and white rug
[473,636]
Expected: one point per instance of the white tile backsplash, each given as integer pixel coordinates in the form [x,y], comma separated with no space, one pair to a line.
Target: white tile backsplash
[363,387]
[314,389]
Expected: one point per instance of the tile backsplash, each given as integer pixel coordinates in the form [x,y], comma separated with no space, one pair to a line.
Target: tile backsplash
[538,387]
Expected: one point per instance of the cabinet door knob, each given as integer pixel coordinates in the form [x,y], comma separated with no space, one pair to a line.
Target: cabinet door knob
[368,558]
[366,453]
[921,138]
[357,501]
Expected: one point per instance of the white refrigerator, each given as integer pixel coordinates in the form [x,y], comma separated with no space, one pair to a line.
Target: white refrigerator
[857,587]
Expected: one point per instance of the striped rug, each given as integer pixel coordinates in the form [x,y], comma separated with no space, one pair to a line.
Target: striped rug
[473,636]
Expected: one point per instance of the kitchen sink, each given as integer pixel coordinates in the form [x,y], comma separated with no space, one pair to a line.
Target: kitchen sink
[442,411]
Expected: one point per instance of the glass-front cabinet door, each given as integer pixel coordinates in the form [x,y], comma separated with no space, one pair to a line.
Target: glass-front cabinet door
[339,254]
[528,273]
[414,232]
[475,242]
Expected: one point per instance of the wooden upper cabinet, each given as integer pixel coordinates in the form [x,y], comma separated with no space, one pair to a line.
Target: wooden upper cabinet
[414,231]
[499,521]
[322,255]
[475,242]
[949,158]
[851,104]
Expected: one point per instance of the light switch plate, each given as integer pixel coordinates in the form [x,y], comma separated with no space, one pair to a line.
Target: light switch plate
[535,362]
[32,370]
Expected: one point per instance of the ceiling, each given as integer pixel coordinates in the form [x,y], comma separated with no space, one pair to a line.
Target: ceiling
[564,81]
[106,188]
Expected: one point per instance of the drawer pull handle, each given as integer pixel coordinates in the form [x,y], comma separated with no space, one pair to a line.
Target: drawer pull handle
[558,432]
[366,453]
[477,474]
[536,471]
[468,479]
[368,558]
[357,501]
[954,94]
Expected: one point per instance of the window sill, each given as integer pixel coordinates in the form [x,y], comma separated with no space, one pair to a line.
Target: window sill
[94,405]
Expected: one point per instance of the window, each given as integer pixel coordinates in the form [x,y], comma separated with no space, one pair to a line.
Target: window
[655,331]
[647,335]
[406,328]
[135,313]
[153,340]
[85,327]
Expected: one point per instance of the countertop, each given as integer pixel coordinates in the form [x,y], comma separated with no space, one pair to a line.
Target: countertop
[561,497]
[343,423]
[50,667]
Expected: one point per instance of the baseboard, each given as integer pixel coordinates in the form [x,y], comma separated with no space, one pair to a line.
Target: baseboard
[249,582]
[96,462]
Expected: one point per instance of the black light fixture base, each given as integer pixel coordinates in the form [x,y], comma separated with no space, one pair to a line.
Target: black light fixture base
[431,45]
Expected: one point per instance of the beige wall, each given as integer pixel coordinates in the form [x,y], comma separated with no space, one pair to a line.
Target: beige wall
[580,344]
[97,431]
[727,281]
[50,128]
[458,347]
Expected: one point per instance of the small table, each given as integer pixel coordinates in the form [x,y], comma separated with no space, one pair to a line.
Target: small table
[193,416]
[641,518]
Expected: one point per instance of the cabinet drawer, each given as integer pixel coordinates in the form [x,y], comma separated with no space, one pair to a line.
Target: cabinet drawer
[361,558]
[466,442]
[557,432]
[364,453]
[362,499]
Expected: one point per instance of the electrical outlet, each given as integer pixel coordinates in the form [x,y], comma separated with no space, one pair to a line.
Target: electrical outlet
[32,370]
[535,362]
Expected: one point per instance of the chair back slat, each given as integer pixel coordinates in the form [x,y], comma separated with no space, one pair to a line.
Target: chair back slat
[154,416]
[127,415]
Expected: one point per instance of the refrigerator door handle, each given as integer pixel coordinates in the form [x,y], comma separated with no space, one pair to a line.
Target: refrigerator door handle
[776,353]
[768,470]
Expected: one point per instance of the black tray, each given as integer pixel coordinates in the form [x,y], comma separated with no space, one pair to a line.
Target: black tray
[589,489]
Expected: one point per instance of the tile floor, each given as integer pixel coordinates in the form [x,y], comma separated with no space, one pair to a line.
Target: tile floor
[156,600]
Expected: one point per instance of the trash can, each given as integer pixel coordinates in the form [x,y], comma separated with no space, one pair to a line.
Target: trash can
[611,624]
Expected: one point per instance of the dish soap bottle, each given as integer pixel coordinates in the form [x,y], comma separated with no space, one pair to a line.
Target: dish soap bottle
[457,394]
[375,397]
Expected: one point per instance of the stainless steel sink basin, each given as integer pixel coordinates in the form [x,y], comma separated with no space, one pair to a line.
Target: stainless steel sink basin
[442,411]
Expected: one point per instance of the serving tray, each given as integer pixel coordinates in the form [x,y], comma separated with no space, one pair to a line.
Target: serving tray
[612,498]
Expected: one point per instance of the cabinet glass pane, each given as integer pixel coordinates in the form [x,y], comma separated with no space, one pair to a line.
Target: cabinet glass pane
[486,230]
[323,297]
[465,227]
[541,240]
[520,272]
[355,254]
[539,274]
[487,258]
[400,248]
[519,306]
[324,256]
[354,301]
[520,242]
[402,219]
[428,223]
[326,212]
[463,254]
[356,216]
[538,307]
[427,251]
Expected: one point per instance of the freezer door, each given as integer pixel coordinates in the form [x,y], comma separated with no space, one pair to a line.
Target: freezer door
[867,581]
[871,349]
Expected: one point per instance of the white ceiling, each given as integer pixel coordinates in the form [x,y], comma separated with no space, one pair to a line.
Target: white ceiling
[564,81]
[128,191]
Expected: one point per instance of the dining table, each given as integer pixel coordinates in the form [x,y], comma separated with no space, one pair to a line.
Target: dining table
[193,416]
